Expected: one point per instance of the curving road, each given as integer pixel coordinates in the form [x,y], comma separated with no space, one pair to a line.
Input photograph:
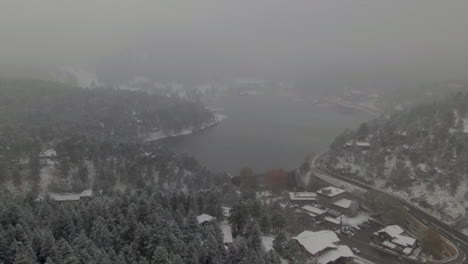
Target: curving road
[455,236]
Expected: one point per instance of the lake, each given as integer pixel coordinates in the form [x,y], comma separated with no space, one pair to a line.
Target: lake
[264,132]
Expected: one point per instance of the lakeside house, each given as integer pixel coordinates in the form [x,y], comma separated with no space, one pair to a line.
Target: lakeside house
[396,239]
[322,246]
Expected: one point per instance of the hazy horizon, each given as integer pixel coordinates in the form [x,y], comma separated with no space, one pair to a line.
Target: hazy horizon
[350,42]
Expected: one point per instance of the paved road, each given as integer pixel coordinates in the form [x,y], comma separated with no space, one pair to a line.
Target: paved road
[361,240]
[453,235]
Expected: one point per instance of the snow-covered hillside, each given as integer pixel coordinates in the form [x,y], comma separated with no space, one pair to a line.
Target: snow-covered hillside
[419,154]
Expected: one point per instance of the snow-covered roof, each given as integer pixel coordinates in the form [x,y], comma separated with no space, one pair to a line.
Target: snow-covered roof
[330,191]
[312,215]
[227,233]
[396,232]
[267,242]
[392,230]
[61,197]
[226,211]
[315,242]
[204,218]
[363,144]
[64,196]
[49,153]
[358,143]
[465,125]
[314,210]
[343,203]
[334,254]
[407,251]
[404,241]
[389,244]
[332,220]
[86,193]
[302,196]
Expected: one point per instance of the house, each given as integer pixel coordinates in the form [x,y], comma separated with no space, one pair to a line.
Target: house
[346,207]
[396,239]
[66,197]
[328,195]
[360,145]
[302,198]
[465,125]
[48,156]
[226,211]
[332,223]
[86,194]
[227,233]
[322,246]
[205,219]
[315,212]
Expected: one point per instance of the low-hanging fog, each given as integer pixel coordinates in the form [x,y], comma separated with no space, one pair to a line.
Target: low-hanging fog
[365,43]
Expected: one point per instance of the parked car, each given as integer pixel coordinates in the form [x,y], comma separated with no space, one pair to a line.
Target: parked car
[355,250]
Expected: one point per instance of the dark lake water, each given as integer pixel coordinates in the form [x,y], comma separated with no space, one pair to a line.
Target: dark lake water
[264,132]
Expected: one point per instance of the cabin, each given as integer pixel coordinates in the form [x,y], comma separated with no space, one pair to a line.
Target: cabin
[204,219]
[396,239]
[322,246]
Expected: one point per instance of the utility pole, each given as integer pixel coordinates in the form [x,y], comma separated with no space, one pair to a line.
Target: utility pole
[341,223]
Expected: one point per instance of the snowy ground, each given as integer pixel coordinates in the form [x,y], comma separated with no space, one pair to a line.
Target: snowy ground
[163,134]
[445,206]
[359,260]
[357,220]
[267,242]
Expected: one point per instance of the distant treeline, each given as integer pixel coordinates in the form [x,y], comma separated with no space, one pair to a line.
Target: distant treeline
[47,110]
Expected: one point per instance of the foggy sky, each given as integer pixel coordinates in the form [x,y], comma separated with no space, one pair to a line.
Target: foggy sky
[350,40]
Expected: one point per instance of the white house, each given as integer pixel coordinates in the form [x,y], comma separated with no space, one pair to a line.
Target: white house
[205,218]
[322,246]
[395,238]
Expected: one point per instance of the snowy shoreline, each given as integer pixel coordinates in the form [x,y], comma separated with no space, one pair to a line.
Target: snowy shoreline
[188,131]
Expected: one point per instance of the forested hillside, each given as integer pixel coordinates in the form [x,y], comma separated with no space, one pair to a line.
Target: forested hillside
[144,200]
[408,96]
[420,153]
[67,139]
[46,110]
[138,227]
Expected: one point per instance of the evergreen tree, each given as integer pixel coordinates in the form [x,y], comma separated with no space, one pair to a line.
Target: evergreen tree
[279,243]
[63,253]
[160,256]
[24,254]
